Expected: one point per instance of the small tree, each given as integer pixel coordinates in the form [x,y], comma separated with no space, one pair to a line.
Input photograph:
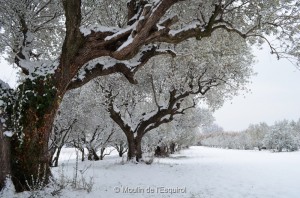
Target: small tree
[256,135]
[59,137]
[120,143]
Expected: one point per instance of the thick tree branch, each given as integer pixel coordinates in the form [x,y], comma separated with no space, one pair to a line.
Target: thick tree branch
[116,116]
[125,67]
[125,44]
[73,40]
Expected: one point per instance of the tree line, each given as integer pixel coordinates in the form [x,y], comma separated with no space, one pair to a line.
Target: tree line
[282,136]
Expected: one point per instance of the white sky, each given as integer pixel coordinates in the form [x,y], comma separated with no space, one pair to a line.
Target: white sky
[275,94]
[7,73]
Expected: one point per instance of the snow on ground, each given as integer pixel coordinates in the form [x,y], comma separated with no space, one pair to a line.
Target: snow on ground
[196,172]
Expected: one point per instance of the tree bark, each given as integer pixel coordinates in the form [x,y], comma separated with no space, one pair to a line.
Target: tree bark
[139,152]
[30,154]
[38,102]
[4,157]
[134,148]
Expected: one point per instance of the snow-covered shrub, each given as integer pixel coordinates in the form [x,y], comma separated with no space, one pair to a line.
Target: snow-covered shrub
[281,137]
[148,158]
[296,131]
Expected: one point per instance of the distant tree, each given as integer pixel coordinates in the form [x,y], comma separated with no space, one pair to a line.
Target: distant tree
[98,141]
[280,137]
[59,137]
[182,132]
[256,135]
[120,143]
[93,130]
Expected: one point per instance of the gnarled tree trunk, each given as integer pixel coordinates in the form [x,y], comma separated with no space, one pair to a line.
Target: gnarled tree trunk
[30,158]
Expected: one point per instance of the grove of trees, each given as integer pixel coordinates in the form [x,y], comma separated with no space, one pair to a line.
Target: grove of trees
[282,136]
[61,45]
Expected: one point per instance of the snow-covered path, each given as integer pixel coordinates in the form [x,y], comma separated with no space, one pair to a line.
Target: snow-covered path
[196,172]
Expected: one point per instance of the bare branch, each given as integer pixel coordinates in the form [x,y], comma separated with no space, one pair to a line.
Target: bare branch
[153,91]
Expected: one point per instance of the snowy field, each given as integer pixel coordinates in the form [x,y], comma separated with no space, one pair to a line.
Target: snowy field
[197,172]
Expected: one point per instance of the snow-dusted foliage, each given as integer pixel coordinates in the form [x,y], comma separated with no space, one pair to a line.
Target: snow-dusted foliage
[31,35]
[256,134]
[169,87]
[282,136]
[5,94]
[211,128]
[6,105]
[32,32]
[182,132]
[82,122]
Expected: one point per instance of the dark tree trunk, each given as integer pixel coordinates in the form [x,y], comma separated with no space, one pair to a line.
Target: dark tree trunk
[134,148]
[96,157]
[82,154]
[138,143]
[93,155]
[157,151]
[172,148]
[102,153]
[120,153]
[52,151]
[90,155]
[55,159]
[161,151]
[131,148]
[4,157]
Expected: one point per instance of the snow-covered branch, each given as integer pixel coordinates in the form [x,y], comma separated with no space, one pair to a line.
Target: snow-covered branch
[107,65]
